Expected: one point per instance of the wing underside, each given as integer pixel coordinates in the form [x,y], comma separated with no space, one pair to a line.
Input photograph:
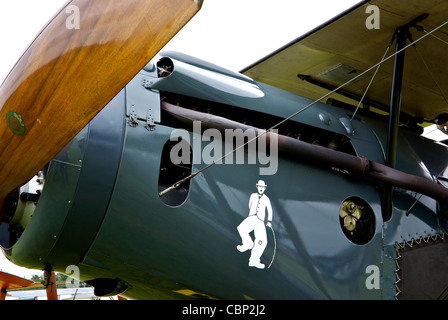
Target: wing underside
[350,44]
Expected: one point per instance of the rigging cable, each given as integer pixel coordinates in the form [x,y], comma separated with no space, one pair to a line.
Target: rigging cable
[180,182]
[429,70]
[433,35]
[371,81]
[421,195]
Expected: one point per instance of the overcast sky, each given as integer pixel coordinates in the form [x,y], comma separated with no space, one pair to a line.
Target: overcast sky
[230,33]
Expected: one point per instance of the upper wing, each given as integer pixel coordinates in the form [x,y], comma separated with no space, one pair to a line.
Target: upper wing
[344,47]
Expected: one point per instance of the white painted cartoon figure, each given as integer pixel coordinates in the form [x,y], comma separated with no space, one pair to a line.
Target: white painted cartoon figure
[259,204]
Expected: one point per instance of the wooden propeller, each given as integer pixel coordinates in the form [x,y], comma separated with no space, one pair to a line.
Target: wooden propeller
[85,55]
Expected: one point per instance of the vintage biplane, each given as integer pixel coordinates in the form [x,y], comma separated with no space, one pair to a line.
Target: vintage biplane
[92,129]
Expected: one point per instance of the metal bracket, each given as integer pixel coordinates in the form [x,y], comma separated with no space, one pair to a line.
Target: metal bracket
[133,120]
[142,102]
[150,125]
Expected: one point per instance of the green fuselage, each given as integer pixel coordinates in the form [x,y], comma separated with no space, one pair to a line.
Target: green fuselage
[100,209]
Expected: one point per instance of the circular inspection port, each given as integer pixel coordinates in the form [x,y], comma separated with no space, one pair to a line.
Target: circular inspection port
[357,220]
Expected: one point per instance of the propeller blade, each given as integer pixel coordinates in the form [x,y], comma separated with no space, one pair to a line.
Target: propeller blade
[85,55]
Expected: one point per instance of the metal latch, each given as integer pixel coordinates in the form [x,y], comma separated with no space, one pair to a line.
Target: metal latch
[143,103]
[133,119]
[150,125]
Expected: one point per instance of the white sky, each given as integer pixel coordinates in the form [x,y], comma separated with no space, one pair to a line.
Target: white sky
[229,33]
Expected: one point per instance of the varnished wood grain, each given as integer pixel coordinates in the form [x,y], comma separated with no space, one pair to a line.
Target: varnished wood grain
[10,282]
[68,75]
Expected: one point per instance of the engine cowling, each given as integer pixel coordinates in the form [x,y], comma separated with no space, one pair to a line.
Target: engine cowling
[53,219]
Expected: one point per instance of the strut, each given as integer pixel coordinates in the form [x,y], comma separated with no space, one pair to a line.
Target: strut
[401,34]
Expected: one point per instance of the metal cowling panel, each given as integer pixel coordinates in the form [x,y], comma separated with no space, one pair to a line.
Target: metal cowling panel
[76,194]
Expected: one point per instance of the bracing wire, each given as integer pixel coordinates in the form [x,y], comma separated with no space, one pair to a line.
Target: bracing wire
[434,36]
[180,182]
[370,83]
[431,74]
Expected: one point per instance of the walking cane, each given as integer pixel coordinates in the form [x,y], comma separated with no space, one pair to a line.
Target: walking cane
[275,246]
